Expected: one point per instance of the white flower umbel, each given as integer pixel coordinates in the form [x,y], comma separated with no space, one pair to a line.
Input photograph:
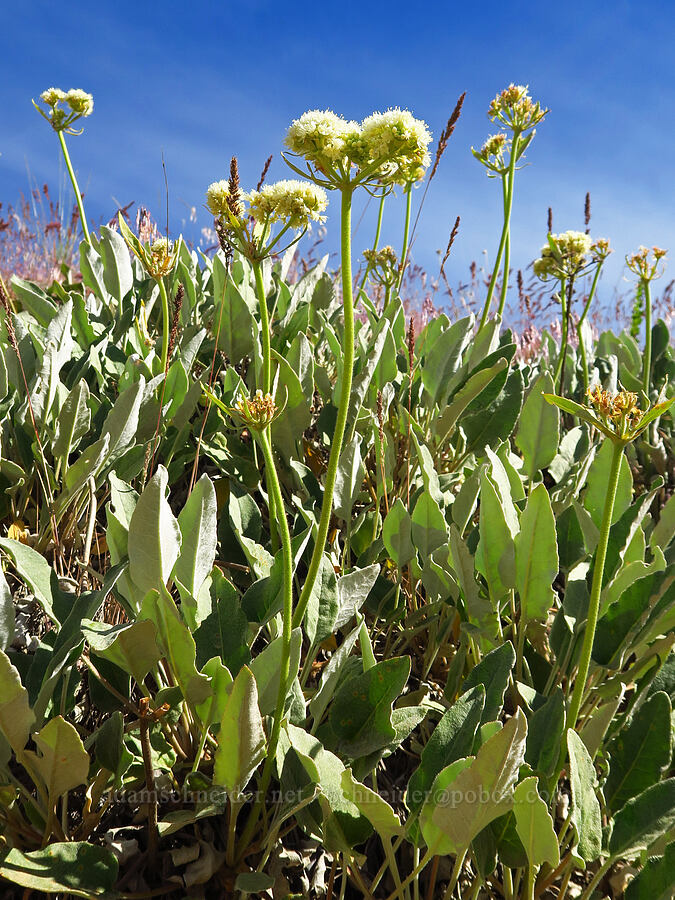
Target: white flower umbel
[564,255]
[398,138]
[323,138]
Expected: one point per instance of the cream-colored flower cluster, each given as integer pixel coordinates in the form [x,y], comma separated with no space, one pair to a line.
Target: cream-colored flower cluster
[389,147]
[65,107]
[515,108]
[259,411]
[564,256]
[291,202]
[645,263]
[492,153]
[600,249]
[220,201]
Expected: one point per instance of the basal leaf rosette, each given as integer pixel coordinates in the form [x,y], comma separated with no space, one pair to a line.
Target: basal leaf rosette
[64,108]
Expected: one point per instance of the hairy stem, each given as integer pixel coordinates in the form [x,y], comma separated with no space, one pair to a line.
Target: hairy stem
[596,588]
[647,358]
[507,251]
[508,205]
[343,408]
[166,323]
[78,195]
[406,234]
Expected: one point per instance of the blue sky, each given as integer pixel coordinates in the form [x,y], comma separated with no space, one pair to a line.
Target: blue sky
[201,81]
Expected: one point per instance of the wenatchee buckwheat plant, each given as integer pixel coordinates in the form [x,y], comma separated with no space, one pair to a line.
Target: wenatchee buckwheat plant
[305,596]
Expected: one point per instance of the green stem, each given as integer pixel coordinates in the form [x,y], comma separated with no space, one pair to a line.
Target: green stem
[647,359]
[266,385]
[454,878]
[343,408]
[78,195]
[582,319]
[264,328]
[376,242]
[507,254]
[563,336]
[529,884]
[596,588]
[406,233]
[597,878]
[166,323]
[505,230]
[566,332]
[274,489]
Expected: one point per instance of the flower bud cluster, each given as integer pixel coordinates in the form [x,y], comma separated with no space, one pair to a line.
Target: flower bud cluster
[383,265]
[564,255]
[258,412]
[389,147]
[493,153]
[645,263]
[515,108]
[600,250]
[619,411]
[64,108]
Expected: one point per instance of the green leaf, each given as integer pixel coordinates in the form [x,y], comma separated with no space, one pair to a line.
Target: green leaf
[640,753]
[241,739]
[655,880]
[253,883]
[643,820]
[397,534]
[664,530]
[177,644]
[585,811]
[537,436]
[63,762]
[323,605]
[481,792]
[493,673]
[198,524]
[581,412]
[443,358]
[491,424]
[536,556]
[429,528]
[117,272]
[452,739]
[78,868]
[224,631]
[35,571]
[353,591]
[360,716]
[7,618]
[237,326]
[34,299]
[348,478]
[544,732]
[73,421]
[535,825]
[154,536]
[131,647]
[16,716]
[598,481]
[496,549]
[375,808]
[266,668]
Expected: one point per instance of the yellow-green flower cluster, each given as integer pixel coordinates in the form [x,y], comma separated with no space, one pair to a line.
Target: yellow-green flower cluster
[564,255]
[492,153]
[619,411]
[291,202]
[645,263]
[600,249]
[383,265]
[65,107]
[515,108]
[389,147]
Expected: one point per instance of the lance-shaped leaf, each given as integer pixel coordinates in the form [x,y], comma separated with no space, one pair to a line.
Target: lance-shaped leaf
[16,716]
[241,739]
[643,820]
[77,869]
[597,485]
[360,715]
[429,528]
[493,672]
[640,753]
[482,791]
[452,739]
[154,536]
[131,647]
[63,763]
[348,478]
[7,616]
[397,534]
[586,817]
[536,556]
[655,880]
[73,421]
[323,605]
[581,412]
[496,550]
[538,428]
[535,825]
[375,808]
[34,569]
[266,667]
[198,525]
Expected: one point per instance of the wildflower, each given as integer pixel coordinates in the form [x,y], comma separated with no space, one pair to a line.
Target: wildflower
[515,108]
[492,153]
[217,197]
[158,258]
[397,137]
[294,203]
[645,267]
[79,105]
[600,250]
[322,137]
[258,412]
[383,265]
[564,255]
